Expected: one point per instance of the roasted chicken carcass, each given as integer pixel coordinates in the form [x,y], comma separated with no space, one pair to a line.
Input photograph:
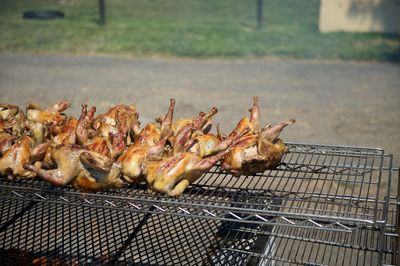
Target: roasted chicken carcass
[12,119]
[42,122]
[9,111]
[51,115]
[66,133]
[23,151]
[173,175]
[205,145]
[6,141]
[86,170]
[259,149]
[108,134]
[120,118]
[184,136]
[149,145]
[61,135]
[206,123]
[252,123]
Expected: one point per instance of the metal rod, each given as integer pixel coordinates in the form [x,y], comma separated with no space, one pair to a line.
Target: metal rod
[132,235]
[102,12]
[16,216]
[260,13]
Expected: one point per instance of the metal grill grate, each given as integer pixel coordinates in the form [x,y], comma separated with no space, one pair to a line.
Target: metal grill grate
[321,202]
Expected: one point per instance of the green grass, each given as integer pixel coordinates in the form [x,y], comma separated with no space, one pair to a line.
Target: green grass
[190,28]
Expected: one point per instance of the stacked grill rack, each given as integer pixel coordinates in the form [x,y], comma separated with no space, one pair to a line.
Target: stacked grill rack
[324,205]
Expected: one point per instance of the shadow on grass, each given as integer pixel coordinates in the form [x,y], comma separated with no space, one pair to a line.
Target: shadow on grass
[393,57]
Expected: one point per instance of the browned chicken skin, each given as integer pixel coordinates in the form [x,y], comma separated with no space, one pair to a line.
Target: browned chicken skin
[86,170]
[252,123]
[257,151]
[87,136]
[149,145]
[66,134]
[22,152]
[12,119]
[13,160]
[184,137]
[205,145]
[8,111]
[119,119]
[96,153]
[6,141]
[107,134]
[42,122]
[48,116]
[37,131]
[174,174]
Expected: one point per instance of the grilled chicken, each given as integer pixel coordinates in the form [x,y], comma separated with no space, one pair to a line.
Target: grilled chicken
[184,134]
[37,131]
[12,119]
[96,153]
[6,141]
[22,152]
[205,145]
[109,133]
[66,134]
[120,118]
[86,170]
[47,116]
[259,149]
[149,145]
[174,174]
[251,123]
[41,122]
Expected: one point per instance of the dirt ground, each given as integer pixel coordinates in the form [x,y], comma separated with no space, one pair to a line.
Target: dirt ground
[340,103]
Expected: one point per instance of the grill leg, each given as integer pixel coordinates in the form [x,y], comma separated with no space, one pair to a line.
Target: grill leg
[397,253]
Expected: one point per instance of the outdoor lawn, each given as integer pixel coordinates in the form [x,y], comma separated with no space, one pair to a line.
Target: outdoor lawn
[188,28]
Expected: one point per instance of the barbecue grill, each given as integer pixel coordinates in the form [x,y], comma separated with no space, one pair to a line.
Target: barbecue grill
[323,205]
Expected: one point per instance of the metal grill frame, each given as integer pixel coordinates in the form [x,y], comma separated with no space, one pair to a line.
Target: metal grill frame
[318,190]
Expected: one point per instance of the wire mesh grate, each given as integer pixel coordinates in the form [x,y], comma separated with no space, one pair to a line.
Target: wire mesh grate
[168,240]
[322,203]
[329,187]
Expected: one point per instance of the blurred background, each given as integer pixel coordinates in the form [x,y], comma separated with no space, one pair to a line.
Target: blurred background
[332,65]
[209,28]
